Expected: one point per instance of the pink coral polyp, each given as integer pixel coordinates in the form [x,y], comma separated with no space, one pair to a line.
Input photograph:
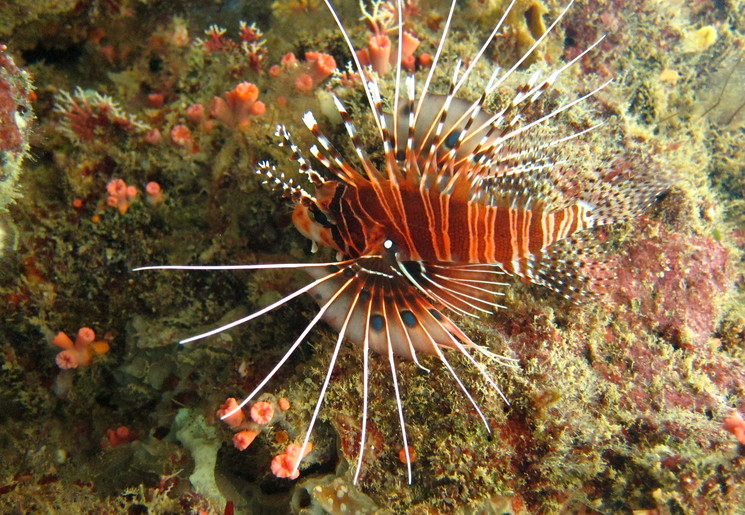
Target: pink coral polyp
[262,413]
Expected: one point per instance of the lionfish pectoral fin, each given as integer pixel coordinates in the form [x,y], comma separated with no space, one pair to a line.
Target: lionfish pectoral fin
[359,306]
[328,273]
[468,290]
[365,399]
[256,314]
[432,330]
[430,321]
[425,329]
[394,330]
[368,322]
[471,286]
[381,310]
[332,300]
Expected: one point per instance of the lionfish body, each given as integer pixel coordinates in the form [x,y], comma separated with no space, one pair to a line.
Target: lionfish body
[463,199]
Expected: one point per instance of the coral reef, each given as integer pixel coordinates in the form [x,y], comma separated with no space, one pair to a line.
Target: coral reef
[151,120]
[16,117]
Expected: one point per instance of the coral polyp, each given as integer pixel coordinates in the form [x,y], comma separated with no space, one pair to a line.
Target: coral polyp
[89,117]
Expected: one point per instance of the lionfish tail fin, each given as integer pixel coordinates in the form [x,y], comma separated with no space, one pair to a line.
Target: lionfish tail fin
[624,197]
[575,268]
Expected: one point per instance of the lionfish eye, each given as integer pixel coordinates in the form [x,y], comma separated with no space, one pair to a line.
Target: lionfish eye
[391,247]
[319,217]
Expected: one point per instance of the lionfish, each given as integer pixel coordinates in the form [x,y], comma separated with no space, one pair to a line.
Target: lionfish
[460,199]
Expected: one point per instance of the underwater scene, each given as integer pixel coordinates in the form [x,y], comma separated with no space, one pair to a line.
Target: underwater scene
[372,256]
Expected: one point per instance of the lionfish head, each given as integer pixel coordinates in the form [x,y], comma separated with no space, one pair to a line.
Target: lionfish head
[312,216]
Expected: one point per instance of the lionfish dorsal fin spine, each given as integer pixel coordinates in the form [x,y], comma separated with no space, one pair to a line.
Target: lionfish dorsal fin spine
[341,168]
[297,155]
[438,121]
[278,181]
[478,151]
[431,172]
[485,46]
[397,89]
[355,58]
[571,136]
[553,76]
[533,47]
[457,83]
[471,113]
[474,112]
[435,60]
[554,113]
[387,140]
[325,161]
[533,88]
[412,175]
[370,169]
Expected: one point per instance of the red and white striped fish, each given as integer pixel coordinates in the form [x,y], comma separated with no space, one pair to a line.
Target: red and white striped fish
[463,199]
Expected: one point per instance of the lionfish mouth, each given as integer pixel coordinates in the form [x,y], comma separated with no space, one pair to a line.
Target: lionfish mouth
[463,199]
